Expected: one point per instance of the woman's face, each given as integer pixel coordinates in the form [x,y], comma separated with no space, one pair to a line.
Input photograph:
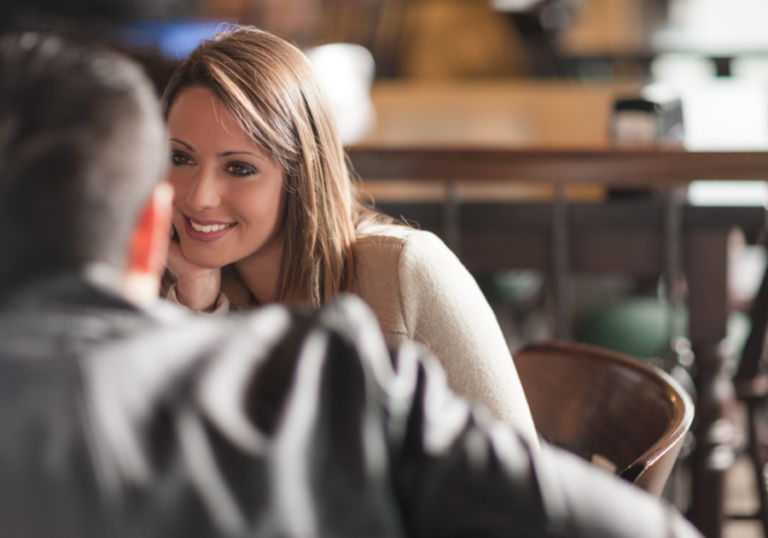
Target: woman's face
[230,193]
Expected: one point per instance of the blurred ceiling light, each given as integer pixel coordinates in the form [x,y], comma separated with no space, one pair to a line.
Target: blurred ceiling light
[721,114]
[682,67]
[723,27]
[728,193]
[514,5]
[346,73]
[750,68]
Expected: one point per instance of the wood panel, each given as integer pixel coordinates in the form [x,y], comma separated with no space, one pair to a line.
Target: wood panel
[479,112]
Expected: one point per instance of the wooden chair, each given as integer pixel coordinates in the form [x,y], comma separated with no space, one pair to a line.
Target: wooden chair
[606,407]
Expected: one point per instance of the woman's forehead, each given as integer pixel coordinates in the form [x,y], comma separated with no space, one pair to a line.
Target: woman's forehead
[203,118]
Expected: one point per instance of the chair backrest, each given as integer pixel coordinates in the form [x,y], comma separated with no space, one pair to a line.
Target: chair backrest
[607,407]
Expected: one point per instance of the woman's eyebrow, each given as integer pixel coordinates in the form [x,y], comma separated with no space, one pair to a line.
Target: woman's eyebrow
[190,148]
[228,153]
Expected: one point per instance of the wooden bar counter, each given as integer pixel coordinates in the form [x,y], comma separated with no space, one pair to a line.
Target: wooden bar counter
[615,167]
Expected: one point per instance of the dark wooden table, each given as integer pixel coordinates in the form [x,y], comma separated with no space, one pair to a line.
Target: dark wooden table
[607,237]
[607,166]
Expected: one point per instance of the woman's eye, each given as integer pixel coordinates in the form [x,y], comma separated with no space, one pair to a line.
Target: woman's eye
[240,170]
[179,159]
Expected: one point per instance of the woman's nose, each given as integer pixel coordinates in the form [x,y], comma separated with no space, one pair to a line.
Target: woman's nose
[203,193]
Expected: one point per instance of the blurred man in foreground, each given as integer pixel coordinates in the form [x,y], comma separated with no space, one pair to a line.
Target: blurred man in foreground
[123,417]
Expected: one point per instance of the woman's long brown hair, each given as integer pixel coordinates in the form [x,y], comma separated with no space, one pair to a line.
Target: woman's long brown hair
[272,90]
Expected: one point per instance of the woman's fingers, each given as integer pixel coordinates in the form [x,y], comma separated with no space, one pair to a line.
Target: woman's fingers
[196,287]
[176,262]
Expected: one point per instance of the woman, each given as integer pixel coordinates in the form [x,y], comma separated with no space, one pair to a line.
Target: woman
[265,211]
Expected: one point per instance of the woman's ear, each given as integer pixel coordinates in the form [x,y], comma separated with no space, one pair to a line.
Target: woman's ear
[149,247]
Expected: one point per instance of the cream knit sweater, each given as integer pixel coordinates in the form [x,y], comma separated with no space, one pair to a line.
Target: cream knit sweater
[420,291]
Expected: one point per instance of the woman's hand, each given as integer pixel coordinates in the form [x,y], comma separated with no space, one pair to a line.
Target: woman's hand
[197,287]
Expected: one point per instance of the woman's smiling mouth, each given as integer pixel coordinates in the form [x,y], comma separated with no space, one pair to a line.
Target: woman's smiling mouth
[206,231]
[208,228]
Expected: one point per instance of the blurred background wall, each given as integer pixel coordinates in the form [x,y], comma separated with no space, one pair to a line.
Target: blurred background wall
[408,38]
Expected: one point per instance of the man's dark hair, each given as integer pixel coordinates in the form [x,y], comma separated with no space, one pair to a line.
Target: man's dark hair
[81,147]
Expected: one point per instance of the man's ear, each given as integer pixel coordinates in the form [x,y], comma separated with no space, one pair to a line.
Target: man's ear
[149,247]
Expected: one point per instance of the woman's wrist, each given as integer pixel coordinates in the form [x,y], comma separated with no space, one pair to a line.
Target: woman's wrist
[199,292]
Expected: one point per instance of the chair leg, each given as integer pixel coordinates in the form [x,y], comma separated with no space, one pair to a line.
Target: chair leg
[758,462]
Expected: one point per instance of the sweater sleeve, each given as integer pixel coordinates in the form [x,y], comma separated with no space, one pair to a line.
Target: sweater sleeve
[220,307]
[444,309]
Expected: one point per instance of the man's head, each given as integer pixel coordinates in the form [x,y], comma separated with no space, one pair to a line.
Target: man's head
[81,152]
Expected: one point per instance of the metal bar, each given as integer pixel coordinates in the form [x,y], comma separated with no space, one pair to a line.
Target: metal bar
[673,226]
[561,264]
[451,219]
[753,412]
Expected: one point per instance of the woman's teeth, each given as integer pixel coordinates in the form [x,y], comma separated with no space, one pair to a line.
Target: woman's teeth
[208,228]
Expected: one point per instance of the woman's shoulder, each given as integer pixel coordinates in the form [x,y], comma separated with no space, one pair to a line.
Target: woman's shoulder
[391,241]
[409,252]
[409,264]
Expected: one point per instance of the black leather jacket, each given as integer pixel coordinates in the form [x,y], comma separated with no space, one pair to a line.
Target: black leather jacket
[120,422]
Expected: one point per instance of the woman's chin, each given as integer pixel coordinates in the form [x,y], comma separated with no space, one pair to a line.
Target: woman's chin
[205,261]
